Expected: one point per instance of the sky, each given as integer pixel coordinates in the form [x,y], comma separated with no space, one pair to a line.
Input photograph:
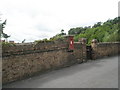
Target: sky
[38,19]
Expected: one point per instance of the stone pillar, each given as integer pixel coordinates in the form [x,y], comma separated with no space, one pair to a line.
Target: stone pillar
[94,48]
[84,52]
[82,40]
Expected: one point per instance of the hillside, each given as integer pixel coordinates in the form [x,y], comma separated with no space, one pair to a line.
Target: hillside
[104,32]
[108,31]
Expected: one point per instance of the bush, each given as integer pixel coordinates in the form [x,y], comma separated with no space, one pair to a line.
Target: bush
[7,44]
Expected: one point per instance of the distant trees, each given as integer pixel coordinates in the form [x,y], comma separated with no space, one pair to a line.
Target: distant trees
[78,30]
[74,31]
[58,36]
[23,40]
[2,34]
[97,24]
[109,31]
[62,32]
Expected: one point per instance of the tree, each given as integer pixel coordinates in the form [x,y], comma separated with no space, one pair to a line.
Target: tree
[97,24]
[62,32]
[109,31]
[1,30]
[2,34]
[23,41]
[5,36]
[2,27]
[77,30]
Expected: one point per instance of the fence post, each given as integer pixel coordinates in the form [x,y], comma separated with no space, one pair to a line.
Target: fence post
[94,48]
[84,52]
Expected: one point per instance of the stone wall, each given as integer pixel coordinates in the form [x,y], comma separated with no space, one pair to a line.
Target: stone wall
[100,50]
[18,49]
[18,67]
[24,60]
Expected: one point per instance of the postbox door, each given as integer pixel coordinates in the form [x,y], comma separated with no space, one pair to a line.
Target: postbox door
[71,43]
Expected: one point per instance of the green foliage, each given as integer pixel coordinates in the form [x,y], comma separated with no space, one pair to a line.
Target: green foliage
[2,26]
[103,32]
[62,32]
[58,37]
[97,25]
[5,35]
[78,30]
[7,44]
[43,41]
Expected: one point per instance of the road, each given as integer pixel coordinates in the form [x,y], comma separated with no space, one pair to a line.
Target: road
[101,73]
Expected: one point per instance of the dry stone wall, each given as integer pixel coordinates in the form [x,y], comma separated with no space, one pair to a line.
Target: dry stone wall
[17,67]
[25,60]
[105,49]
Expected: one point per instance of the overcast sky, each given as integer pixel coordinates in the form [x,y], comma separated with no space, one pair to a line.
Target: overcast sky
[38,19]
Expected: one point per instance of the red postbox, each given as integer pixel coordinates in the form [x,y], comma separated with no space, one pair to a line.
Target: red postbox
[71,42]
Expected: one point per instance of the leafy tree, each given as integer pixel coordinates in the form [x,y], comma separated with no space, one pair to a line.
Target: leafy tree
[62,32]
[109,31]
[23,41]
[2,34]
[5,36]
[78,30]
[97,24]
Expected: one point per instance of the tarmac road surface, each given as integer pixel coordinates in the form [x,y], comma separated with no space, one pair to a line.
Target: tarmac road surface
[101,73]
